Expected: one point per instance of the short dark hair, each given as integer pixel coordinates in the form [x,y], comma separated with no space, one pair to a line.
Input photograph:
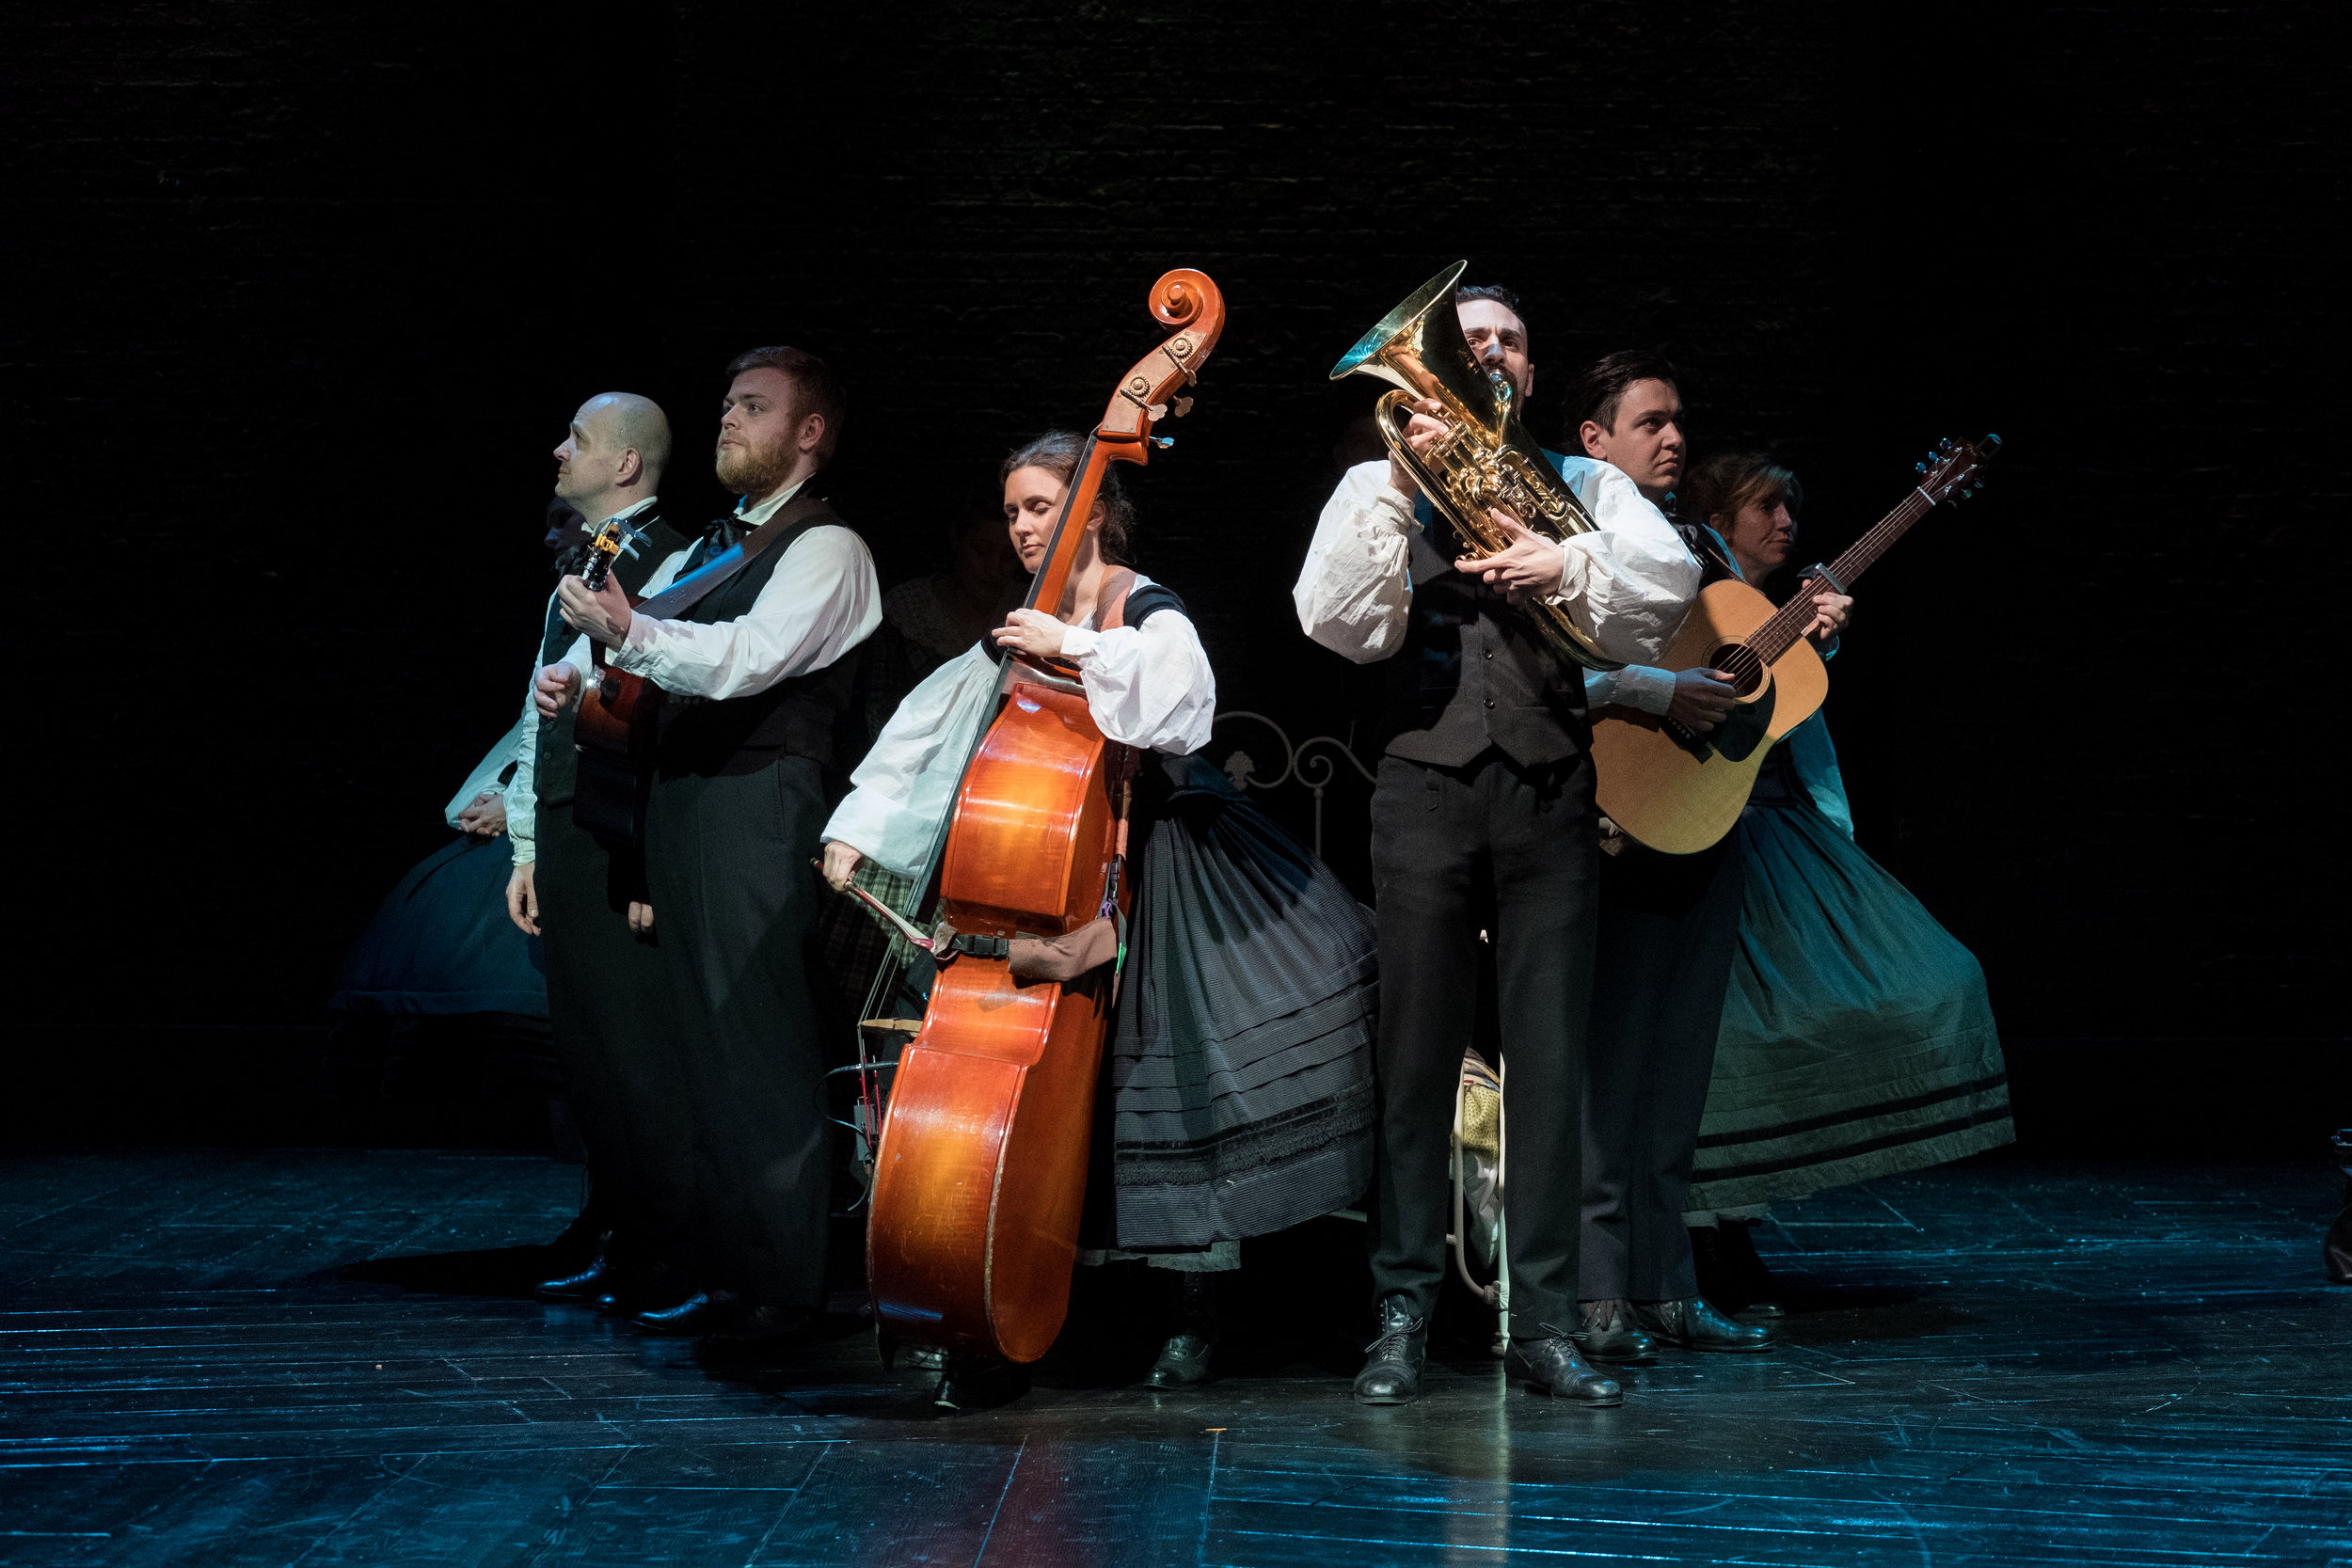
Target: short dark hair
[1501,296]
[1056,451]
[1595,394]
[1730,480]
[815,389]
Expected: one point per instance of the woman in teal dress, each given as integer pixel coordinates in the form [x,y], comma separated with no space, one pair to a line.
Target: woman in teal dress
[1857,1039]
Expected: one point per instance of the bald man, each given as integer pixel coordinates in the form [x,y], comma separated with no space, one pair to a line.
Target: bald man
[584,895]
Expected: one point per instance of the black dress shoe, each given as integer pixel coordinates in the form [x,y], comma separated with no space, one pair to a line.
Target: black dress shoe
[1693,1324]
[973,1381]
[1184,1362]
[1610,1338]
[1393,1361]
[1552,1364]
[699,1313]
[588,1283]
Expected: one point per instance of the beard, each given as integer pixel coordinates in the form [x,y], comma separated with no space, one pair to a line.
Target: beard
[753,470]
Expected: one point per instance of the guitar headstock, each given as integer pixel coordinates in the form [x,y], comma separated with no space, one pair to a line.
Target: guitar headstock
[1950,472]
[611,541]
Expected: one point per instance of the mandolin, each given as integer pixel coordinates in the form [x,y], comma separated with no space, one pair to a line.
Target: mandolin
[619,718]
[614,730]
[980,1172]
[1680,792]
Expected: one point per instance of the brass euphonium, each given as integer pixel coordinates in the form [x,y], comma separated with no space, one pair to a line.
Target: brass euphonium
[1485,458]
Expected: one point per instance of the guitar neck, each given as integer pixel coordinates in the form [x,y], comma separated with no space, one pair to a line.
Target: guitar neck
[1779,634]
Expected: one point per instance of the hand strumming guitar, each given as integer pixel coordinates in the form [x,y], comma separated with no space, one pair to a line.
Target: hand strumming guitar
[603,614]
[1032,632]
[555,689]
[1830,614]
[1702,700]
[1530,567]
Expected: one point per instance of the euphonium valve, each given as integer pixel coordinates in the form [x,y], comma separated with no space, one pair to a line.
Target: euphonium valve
[1485,461]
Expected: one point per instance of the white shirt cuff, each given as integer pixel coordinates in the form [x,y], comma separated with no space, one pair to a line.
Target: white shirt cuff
[1078,642]
[636,645]
[1388,503]
[1643,687]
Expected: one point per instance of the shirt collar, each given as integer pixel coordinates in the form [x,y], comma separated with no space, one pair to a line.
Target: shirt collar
[749,516]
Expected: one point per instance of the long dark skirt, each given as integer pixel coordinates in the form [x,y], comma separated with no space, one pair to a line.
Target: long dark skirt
[1239,1074]
[441,943]
[1856,1040]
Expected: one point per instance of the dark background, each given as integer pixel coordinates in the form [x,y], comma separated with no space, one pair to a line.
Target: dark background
[303,296]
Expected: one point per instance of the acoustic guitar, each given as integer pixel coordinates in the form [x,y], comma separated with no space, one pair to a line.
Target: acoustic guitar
[1680,792]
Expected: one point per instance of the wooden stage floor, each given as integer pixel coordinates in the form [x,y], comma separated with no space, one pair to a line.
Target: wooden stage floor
[1998,1363]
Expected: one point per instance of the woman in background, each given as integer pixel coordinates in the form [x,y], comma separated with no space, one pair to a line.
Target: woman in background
[1857,1039]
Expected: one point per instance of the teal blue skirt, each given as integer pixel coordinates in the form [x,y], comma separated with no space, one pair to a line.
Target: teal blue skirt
[1857,1039]
[441,943]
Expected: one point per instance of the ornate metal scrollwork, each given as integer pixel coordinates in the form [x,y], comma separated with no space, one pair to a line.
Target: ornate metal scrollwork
[1315,771]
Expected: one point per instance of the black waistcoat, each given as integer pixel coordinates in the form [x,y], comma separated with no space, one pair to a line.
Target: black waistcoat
[556,771]
[813,714]
[1475,672]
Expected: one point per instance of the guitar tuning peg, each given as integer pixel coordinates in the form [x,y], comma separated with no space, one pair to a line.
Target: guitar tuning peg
[1162,441]
[1182,407]
[1918,467]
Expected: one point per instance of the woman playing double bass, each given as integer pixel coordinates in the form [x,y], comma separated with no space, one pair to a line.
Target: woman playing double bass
[1237,1086]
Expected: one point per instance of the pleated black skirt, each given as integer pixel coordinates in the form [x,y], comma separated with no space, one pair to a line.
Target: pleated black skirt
[1239,1074]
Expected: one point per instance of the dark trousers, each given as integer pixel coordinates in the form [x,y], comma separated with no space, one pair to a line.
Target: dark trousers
[728,855]
[616,1034]
[1668,924]
[1511,850]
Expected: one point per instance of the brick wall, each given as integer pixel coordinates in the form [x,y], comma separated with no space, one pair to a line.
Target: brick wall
[304,299]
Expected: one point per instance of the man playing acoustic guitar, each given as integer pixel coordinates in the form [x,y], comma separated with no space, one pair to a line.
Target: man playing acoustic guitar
[1667,925]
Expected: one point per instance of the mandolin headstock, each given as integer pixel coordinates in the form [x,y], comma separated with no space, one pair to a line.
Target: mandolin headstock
[611,542]
[1951,471]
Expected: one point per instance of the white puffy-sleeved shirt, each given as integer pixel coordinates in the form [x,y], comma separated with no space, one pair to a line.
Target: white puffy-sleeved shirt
[522,799]
[822,601]
[1626,584]
[1147,685]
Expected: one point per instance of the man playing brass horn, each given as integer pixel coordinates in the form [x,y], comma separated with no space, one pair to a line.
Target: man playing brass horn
[1483,816]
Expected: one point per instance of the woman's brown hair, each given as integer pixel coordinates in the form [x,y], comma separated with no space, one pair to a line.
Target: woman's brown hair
[1056,451]
[1729,480]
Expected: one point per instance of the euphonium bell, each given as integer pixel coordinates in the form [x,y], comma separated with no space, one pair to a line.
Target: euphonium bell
[1485,459]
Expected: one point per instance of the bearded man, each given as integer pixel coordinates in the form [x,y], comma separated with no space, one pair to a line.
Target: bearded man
[756,678]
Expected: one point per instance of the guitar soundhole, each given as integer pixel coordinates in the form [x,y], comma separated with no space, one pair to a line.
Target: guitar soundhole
[1740,663]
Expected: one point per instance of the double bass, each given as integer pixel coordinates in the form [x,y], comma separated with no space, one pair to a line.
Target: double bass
[980,1171]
